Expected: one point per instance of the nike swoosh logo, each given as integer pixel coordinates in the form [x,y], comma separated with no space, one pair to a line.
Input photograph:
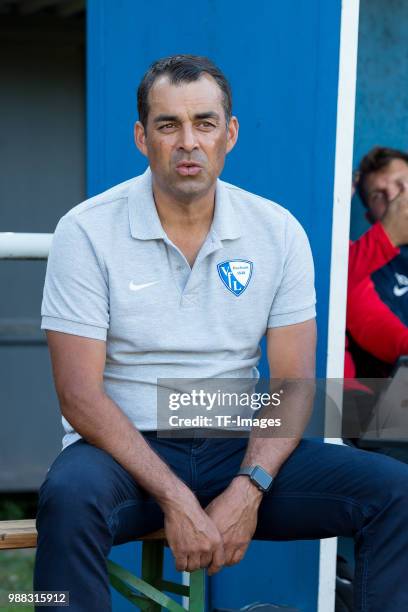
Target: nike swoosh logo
[399,291]
[134,287]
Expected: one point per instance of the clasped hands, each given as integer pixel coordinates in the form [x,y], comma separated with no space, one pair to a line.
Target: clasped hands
[217,535]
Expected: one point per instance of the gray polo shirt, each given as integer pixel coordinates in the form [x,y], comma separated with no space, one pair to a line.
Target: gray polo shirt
[114,275]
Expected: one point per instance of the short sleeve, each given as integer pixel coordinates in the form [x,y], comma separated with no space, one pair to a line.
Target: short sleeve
[295,298]
[75,297]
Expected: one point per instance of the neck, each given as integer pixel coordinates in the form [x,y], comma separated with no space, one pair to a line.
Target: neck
[184,215]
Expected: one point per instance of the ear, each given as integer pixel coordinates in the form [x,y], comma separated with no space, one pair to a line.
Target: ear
[232,135]
[140,138]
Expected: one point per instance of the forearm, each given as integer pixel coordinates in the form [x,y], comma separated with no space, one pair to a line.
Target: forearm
[270,448]
[235,510]
[102,423]
[269,453]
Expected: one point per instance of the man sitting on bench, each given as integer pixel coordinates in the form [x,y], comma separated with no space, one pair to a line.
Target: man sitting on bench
[177,275]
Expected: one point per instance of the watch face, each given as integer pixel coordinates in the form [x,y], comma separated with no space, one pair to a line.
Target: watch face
[262,477]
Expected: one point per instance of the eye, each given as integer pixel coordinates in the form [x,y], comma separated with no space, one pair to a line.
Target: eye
[167,127]
[206,125]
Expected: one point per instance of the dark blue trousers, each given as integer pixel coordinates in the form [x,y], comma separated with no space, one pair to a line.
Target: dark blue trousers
[88,502]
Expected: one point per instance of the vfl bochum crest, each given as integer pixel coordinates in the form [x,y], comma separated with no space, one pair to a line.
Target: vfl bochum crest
[235,274]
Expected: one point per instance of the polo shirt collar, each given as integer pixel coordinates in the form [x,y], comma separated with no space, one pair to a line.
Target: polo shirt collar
[145,222]
[225,225]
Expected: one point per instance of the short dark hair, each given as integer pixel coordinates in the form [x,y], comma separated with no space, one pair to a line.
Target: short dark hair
[376,159]
[181,69]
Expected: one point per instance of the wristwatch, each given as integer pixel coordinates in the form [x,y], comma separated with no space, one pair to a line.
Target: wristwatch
[260,477]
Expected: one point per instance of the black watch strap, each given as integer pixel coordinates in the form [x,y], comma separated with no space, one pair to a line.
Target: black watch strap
[258,476]
[246,471]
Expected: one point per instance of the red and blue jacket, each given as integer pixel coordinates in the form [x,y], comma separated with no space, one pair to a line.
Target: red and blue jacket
[377,305]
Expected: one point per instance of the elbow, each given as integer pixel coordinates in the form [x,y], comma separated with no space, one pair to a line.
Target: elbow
[75,398]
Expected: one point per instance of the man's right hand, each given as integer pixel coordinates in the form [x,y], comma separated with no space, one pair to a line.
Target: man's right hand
[193,536]
[395,220]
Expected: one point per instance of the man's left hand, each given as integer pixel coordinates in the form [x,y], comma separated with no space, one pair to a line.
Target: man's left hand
[235,513]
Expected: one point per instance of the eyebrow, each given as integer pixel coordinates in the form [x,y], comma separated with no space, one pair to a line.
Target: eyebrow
[207,115]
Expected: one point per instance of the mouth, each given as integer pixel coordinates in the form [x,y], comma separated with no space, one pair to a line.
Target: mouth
[187,168]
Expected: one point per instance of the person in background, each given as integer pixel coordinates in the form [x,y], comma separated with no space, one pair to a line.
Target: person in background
[377,309]
[376,333]
[377,296]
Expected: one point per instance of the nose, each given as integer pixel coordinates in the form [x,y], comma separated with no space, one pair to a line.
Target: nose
[188,139]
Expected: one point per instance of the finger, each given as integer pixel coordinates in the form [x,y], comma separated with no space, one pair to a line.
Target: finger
[193,562]
[237,556]
[213,568]
[229,557]
[205,559]
[181,562]
[218,560]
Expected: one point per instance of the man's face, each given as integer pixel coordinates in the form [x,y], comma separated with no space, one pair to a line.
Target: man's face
[384,186]
[187,138]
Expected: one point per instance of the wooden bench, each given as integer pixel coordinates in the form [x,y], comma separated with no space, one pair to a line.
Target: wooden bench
[146,592]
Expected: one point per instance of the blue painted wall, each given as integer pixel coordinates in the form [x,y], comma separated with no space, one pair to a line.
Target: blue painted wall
[382,85]
[282,61]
